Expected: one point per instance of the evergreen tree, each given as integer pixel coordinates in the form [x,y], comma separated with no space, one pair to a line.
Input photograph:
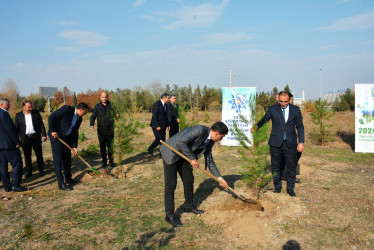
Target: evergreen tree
[320,118]
[255,168]
[287,88]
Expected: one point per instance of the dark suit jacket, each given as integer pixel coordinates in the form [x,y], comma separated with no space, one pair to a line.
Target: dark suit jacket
[60,120]
[295,120]
[188,142]
[159,115]
[37,122]
[8,132]
[173,113]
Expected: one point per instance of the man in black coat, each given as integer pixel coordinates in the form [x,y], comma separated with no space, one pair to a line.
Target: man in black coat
[173,116]
[31,130]
[9,150]
[105,127]
[286,118]
[64,124]
[193,142]
[159,121]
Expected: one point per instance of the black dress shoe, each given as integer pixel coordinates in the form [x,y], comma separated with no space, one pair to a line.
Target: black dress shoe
[193,210]
[19,189]
[173,221]
[28,174]
[297,180]
[291,192]
[65,188]
[112,165]
[8,189]
[102,166]
[73,181]
[150,151]
[277,190]
[42,173]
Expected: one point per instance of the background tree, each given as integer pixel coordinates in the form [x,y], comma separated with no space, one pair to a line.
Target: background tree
[38,102]
[287,88]
[345,102]
[10,91]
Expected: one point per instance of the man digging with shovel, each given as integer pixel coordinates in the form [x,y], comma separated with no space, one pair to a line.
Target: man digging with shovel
[191,142]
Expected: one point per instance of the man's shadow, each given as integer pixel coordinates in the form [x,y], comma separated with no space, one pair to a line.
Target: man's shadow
[152,240]
[206,188]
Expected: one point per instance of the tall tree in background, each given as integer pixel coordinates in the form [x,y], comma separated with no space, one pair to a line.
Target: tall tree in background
[320,118]
[189,95]
[10,91]
[287,88]
[197,96]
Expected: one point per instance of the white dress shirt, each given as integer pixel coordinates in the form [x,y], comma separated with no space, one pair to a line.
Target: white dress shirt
[29,126]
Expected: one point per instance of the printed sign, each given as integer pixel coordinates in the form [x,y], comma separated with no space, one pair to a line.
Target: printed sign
[364,118]
[235,102]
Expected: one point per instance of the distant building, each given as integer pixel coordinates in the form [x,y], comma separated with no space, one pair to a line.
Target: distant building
[331,96]
[299,100]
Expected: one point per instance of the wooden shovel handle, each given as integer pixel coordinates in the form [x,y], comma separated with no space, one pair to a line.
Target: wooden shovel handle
[206,172]
[80,157]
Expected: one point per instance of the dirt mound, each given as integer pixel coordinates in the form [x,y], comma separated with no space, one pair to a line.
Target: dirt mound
[244,223]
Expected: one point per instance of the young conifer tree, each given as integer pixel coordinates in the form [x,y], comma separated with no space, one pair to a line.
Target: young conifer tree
[254,153]
[320,117]
[125,128]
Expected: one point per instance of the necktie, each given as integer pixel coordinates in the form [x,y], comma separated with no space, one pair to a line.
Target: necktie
[72,124]
[284,116]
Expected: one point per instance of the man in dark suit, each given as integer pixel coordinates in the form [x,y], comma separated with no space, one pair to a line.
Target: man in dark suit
[283,139]
[105,127]
[159,121]
[9,150]
[193,142]
[31,130]
[173,116]
[64,124]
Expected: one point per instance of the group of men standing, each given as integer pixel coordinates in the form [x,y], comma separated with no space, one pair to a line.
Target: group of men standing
[165,115]
[29,132]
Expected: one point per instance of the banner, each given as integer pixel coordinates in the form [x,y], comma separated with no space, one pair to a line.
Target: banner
[364,118]
[235,102]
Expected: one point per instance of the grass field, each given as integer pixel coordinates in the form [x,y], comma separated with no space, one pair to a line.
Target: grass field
[123,209]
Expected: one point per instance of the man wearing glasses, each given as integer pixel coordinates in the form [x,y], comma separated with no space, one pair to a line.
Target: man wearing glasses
[286,119]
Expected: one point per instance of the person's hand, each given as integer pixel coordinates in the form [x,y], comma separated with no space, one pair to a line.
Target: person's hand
[168,127]
[300,147]
[92,128]
[223,183]
[158,128]
[252,130]
[75,151]
[18,146]
[44,139]
[54,135]
[178,120]
[117,115]
[194,163]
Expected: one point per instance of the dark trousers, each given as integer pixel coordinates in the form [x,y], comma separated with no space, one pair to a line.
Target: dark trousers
[14,157]
[290,156]
[159,135]
[61,159]
[284,167]
[106,139]
[185,172]
[174,128]
[33,142]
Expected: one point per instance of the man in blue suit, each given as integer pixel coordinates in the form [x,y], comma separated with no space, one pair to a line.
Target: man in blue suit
[64,124]
[159,122]
[9,150]
[286,118]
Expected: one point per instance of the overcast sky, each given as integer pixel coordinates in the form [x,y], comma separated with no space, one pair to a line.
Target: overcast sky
[91,44]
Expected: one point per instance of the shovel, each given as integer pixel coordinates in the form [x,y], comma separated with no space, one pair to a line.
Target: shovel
[80,157]
[212,176]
